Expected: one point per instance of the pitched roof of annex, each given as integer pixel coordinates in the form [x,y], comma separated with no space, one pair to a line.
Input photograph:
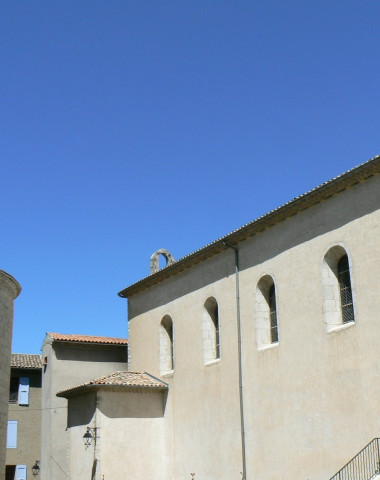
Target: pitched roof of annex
[123,379]
[322,192]
[61,337]
[26,360]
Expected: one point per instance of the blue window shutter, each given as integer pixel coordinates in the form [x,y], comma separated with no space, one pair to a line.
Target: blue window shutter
[20,472]
[12,434]
[23,391]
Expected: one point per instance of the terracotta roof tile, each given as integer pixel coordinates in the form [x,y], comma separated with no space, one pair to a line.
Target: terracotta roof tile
[120,379]
[61,337]
[26,360]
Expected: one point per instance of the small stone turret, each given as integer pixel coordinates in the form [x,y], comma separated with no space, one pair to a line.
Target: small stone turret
[9,290]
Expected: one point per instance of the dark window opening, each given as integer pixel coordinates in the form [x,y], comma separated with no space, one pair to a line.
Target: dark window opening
[10,472]
[215,318]
[13,390]
[273,314]
[345,290]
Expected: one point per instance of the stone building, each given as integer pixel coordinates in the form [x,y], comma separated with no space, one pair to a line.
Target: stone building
[9,290]
[68,360]
[264,345]
[108,414]
[24,417]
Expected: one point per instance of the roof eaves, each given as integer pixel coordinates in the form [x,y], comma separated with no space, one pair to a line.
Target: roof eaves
[87,339]
[25,367]
[320,193]
[74,391]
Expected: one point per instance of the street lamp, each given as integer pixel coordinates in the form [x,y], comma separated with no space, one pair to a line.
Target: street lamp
[36,468]
[89,435]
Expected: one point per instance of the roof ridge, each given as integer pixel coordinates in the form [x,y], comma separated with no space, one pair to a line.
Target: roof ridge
[79,338]
[35,354]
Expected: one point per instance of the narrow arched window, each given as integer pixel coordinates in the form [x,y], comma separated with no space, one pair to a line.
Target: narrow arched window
[344,280]
[210,330]
[266,320]
[338,305]
[273,314]
[166,345]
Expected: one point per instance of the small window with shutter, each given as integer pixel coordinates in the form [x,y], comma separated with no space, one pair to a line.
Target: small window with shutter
[12,434]
[20,472]
[23,391]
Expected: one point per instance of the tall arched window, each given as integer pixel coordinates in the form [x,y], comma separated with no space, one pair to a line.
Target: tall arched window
[273,314]
[166,345]
[210,330]
[338,306]
[344,280]
[266,312]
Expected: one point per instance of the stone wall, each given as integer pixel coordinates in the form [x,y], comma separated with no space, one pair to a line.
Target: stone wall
[9,290]
[311,400]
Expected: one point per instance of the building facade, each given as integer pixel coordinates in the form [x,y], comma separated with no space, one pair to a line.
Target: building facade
[274,375]
[69,360]
[24,417]
[267,341]
[9,290]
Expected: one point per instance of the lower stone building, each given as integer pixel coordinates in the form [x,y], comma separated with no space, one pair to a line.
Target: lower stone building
[70,359]
[24,417]
[106,415]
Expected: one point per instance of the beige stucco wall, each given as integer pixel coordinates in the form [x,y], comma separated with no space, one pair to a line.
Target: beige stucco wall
[83,460]
[9,290]
[130,438]
[311,402]
[68,365]
[29,423]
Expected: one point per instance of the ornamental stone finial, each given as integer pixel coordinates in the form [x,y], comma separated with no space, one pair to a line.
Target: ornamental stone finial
[154,259]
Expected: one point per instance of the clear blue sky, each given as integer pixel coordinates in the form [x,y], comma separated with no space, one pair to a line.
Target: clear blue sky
[128,126]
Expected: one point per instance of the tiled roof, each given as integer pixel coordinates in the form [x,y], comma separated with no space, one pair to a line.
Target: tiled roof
[26,360]
[61,337]
[308,199]
[119,379]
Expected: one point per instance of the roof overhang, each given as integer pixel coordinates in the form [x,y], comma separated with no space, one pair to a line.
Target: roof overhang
[118,381]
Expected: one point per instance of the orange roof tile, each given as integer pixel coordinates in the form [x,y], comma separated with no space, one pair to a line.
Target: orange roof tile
[61,337]
[26,360]
[118,379]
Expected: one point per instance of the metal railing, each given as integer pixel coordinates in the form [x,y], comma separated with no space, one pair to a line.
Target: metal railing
[364,466]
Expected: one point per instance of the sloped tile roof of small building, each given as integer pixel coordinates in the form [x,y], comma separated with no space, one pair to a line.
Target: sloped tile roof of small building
[124,379]
[307,200]
[26,360]
[61,337]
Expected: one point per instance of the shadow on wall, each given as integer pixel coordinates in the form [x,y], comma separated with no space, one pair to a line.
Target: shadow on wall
[349,205]
[93,472]
[91,353]
[133,403]
[136,403]
[81,409]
